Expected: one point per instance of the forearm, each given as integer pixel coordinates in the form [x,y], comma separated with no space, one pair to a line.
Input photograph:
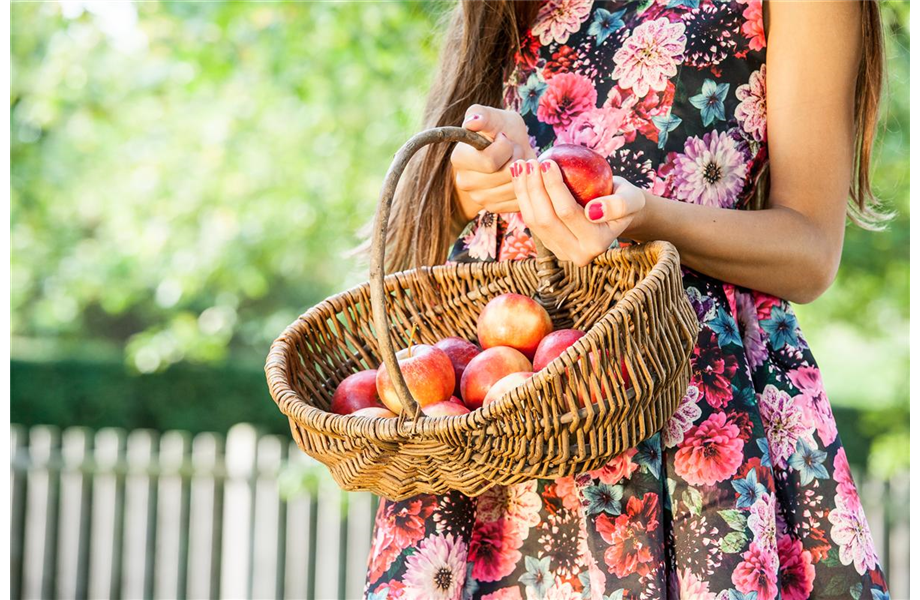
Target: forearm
[775,250]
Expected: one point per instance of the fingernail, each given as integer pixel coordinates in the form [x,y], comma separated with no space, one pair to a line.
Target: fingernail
[471,118]
[596,211]
[502,134]
[529,168]
[544,166]
[515,169]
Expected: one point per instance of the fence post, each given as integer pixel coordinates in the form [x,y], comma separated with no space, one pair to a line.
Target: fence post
[108,497]
[268,555]
[236,555]
[41,514]
[19,464]
[172,518]
[73,539]
[140,516]
[205,509]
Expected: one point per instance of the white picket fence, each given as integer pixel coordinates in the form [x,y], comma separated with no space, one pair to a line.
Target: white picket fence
[123,516]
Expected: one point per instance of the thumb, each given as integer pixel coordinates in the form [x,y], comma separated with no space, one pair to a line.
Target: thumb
[613,207]
[485,120]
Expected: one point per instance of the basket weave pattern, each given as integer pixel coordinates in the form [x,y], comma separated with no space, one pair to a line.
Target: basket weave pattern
[631,303]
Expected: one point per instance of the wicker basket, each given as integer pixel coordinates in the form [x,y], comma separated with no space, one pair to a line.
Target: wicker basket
[630,301]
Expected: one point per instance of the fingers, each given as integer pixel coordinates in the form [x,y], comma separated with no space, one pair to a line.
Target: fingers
[625,202]
[537,208]
[466,158]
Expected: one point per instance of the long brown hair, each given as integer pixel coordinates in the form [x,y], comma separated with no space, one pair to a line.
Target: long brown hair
[481,39]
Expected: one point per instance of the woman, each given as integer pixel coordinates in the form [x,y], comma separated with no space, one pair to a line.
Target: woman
[747,492]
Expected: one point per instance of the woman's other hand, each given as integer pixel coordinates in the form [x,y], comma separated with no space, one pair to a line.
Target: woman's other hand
[551,213]
[483,177]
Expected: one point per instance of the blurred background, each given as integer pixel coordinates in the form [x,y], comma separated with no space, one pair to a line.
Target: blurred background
[185,180]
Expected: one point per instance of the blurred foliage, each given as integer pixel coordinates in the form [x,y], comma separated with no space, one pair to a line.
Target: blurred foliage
[185,179]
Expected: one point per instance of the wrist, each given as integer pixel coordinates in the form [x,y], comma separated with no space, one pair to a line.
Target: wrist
[638,226]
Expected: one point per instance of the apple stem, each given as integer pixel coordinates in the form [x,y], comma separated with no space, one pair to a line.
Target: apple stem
[412,338]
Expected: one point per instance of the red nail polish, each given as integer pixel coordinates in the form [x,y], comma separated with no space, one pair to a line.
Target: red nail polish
[596,211]
[513,169]
[544,166]
[529,168]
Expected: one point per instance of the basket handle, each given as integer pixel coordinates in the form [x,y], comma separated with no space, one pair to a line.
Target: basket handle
[548,271]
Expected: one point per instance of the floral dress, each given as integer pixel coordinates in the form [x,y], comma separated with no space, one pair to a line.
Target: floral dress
[746,493]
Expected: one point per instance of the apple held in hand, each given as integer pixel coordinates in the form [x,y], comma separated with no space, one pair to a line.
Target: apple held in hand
[486,369]
[515,321]
[355,392]
[428,372]
[553,345]
[505,385]
[460,352]
[586,173]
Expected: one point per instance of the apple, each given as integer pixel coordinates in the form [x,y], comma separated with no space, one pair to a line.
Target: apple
[515,321]
[428,372]
[355,392]
[486,369]
[374,412]
[460,352]
[586,173]
[553,345]
[445,409]
[504,385]
[456,400]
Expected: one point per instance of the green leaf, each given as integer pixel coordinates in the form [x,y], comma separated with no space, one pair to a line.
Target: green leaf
[694,500]
[833,558]
[735,519]
[837,586]
[856,590]
[733,542]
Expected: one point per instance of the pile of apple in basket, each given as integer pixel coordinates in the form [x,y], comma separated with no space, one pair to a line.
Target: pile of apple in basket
[575,364]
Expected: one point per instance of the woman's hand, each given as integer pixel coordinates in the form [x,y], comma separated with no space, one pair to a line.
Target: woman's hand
[483,177]
[551,213]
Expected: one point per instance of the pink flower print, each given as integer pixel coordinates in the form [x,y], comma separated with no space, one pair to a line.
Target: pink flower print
[683,418]
[783,423]
[632,536]
[567,491]
[850,531]
[558,19]
[796,571]
[846,489]
[754,341]
[598,129]
[516,244]
[562,590]
[619,468]
[508,593]
[757,572]
[753,26]
[710,171]
[494,550]
[482,240]
[567,95]
[814,403]
[711,452]
[751,113]
[518,504]
[762,521]
[693,587]
[437,570]
[640,111]
[649,56]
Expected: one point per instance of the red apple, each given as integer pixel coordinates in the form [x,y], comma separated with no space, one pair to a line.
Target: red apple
[460,352]
[553,345]
[586,173]
[456,400]
[445,409]
[486,369]
[515,321]
[504,385]
[428,372]
[355,392]
[374,412]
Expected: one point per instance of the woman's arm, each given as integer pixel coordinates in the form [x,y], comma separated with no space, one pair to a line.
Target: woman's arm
[791,248]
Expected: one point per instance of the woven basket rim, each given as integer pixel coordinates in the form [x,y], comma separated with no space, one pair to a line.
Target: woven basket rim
[294,406]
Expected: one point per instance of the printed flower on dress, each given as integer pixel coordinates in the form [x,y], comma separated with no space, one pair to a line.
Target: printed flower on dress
[693,587]
[749,489]
[809,462]
[814,403]
[518,504]
[711,452]
[481,241]
[558,19]
[752,110]
[537,576]
[757,573]
[605,23]
[846,489]
[711,170]
[649,56]
[688,411]
[782,327]
[436,570]
[619,467]
[530,94]
[797,573]
[603,498]
[508,593]
[633,537]
[753,25]
[782,421]
[494,550]
[713,369]
[762,521]
[598,129]
[566,96]
[850,531]
[711,101]
[712,29]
